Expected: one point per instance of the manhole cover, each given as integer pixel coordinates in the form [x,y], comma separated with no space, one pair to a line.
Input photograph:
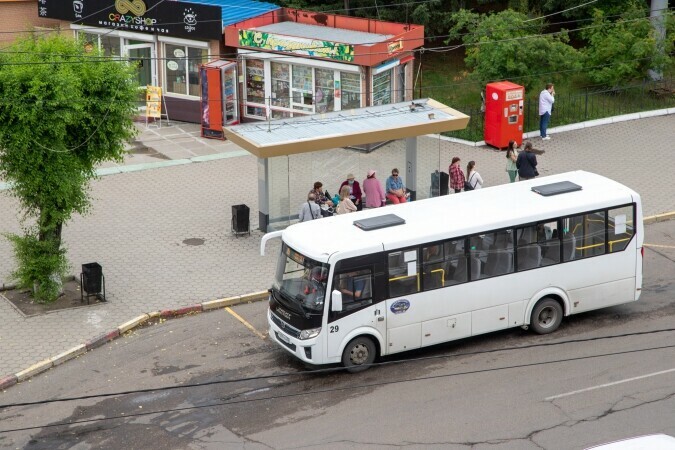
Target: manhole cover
[194,241]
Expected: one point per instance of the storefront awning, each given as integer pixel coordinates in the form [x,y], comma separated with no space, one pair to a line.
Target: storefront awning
[346,128]
[237,10]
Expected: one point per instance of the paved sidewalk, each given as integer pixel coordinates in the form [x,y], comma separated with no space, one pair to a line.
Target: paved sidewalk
[142,222]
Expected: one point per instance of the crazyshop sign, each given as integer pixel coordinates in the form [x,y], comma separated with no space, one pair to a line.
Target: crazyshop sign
[167,18]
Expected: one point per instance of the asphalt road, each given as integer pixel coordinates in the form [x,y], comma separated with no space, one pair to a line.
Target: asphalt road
[603,375]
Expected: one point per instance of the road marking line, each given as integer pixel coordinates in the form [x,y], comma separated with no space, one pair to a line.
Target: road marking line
[246,324]
[659,246]
[600,386]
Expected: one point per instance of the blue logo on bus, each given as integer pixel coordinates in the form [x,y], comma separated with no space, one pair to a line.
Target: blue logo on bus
[400,306]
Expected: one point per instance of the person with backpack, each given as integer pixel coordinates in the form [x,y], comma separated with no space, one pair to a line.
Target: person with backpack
[474,180]
[527,163]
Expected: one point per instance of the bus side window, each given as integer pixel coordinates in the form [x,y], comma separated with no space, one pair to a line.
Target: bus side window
[589,234]
[499,260]
[434,268]
[402,281]
[620,228]
[356,288]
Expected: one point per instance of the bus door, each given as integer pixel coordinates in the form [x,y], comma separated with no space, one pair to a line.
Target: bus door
[359,280]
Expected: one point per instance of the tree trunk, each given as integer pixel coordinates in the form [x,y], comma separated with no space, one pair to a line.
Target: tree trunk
[50,231]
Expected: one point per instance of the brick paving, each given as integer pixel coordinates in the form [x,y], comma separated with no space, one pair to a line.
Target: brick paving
[140,220]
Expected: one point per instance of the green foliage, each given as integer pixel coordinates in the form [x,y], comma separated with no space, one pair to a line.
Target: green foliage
[41,266]
[505,46]
[624,49]
[62,112]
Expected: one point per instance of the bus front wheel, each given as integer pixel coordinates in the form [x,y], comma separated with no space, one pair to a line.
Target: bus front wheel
[546,316]
[359,354]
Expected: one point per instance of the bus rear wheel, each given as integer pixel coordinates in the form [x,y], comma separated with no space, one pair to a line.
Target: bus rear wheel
[359,354]
[546,316]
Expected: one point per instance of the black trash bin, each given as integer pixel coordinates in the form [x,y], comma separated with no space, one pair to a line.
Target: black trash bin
[92,282]
[240,220]
[92,274]
[444,180]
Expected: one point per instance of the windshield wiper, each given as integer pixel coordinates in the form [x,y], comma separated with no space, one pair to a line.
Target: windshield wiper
[290,302]
[301,299]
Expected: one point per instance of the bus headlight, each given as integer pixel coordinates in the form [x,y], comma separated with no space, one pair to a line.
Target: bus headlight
[309,334]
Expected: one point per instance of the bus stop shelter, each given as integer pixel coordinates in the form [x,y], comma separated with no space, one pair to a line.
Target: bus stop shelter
[292,152]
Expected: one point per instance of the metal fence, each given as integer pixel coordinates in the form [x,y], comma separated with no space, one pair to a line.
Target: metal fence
[582,106]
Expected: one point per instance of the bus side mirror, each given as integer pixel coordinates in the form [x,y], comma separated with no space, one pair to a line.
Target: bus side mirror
[336,301]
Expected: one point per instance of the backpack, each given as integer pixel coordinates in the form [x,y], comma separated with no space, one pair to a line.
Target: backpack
[467,184]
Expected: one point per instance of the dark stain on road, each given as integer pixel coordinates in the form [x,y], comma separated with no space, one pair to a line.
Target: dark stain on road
[165,370]
[194,241]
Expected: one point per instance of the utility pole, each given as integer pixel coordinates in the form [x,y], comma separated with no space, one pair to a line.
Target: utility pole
[658,19]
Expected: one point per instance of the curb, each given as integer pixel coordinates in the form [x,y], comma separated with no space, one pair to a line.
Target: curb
[569,127]
[98,341]
[659,218]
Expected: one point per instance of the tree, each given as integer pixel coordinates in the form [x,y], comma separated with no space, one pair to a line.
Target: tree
[63,111]
[622,50]
[506,46]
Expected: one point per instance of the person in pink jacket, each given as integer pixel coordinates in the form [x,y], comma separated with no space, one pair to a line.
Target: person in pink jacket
[373,190]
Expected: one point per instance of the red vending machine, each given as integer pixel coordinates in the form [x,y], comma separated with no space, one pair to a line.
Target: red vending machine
[503,113]
[219,97]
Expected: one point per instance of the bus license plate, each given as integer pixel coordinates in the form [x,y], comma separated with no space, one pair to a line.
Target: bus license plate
[283,337]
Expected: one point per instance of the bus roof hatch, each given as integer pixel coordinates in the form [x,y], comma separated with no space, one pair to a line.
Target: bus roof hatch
[374,223]
[561,187]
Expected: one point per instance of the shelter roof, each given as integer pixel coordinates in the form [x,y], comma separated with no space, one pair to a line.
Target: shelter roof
[346,128]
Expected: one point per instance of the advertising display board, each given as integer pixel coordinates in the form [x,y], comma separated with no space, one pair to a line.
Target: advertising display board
[153,102]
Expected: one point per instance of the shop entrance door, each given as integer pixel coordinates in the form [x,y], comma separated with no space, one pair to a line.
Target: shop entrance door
[143,55]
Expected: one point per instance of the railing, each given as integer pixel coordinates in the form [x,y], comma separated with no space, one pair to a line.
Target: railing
[580,107]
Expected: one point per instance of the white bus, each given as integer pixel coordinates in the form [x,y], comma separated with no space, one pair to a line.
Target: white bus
[354,287]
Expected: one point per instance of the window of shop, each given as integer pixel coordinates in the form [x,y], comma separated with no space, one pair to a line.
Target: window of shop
[110,45]
[382,88]
[324,90]
[296,90]
[182,68]
[351,90]
[302,97]
[255,86]
[281,86]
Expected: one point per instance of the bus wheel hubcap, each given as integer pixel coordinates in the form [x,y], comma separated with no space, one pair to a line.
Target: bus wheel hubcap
[547,317]
[359,354]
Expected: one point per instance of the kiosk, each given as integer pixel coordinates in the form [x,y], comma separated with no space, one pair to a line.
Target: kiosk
[503,113]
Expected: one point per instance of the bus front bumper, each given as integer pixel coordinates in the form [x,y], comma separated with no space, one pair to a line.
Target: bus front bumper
[306,350]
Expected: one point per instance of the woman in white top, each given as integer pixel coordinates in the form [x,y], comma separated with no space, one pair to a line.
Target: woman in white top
[472,176]
[346,205]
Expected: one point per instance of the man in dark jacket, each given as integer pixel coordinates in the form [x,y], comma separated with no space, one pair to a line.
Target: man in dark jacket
[527,163]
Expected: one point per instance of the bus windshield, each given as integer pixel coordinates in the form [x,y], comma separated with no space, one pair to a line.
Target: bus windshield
[301,281]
